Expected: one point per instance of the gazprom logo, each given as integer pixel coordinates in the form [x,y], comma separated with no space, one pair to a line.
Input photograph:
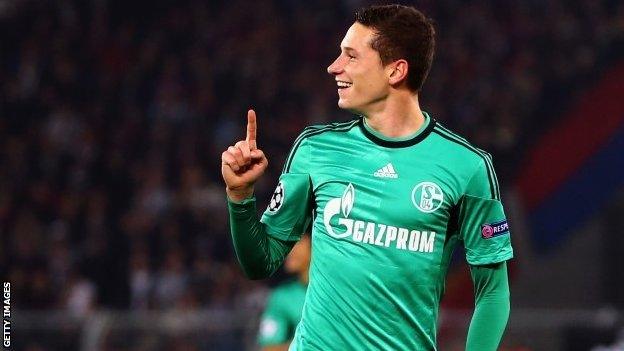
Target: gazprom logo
[367,232]
[337,205]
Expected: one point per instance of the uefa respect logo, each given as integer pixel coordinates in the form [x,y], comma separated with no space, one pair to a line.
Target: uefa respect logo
[491,230]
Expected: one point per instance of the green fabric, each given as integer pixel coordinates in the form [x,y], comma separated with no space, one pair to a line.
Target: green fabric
[381,136]
[479,207]
[491,307]
[258,254]
[282,314]
[291,212]
[386,216]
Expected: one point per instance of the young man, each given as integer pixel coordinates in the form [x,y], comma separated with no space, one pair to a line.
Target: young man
[283,310]
[393,192]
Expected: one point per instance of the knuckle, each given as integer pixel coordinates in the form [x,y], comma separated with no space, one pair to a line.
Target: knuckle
[235,151]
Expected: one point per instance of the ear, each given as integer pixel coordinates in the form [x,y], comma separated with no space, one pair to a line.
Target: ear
[398,72]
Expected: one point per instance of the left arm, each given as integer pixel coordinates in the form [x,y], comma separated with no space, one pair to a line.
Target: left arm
[491,312]
[485,233]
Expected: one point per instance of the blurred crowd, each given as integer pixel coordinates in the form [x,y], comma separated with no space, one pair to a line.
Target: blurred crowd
[113,116]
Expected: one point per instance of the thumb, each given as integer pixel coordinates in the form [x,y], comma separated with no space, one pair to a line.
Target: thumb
[257,154]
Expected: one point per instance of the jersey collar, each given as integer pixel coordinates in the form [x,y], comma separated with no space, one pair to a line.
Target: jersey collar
[410,140]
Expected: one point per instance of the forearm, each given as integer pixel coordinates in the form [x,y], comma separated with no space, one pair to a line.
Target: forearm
[491,307]
[259,254]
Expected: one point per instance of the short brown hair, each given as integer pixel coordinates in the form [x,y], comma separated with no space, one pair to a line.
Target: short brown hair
[402,32]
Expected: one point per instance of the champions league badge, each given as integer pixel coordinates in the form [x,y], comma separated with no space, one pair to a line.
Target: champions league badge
[494,229]
[277,199]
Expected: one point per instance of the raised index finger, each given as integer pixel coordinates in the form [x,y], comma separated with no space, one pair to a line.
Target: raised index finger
[251,129]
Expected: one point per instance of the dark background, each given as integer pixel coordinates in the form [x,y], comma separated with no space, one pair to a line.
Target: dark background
[113,116]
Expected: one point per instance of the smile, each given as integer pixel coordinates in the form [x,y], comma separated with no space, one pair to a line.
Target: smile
[343,85]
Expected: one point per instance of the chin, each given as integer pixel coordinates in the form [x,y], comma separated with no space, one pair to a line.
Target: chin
[345,105]
[350,108]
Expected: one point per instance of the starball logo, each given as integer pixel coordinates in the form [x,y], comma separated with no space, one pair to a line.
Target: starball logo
[369,232]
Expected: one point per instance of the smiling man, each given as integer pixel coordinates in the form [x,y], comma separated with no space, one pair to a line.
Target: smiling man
[390,195]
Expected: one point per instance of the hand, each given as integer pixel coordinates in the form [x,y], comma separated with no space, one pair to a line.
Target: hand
[243,163]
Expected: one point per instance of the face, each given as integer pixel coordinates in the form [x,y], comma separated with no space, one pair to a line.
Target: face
[298,259]
[362,80]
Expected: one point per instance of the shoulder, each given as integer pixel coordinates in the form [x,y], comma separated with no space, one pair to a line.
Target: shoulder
[303,143]
[314,131]
[458,146]
[477,163]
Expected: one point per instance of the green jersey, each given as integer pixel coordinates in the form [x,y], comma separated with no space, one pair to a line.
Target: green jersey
[282,314]
[386,216]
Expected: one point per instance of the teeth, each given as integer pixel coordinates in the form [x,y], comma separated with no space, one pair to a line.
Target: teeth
[344,84]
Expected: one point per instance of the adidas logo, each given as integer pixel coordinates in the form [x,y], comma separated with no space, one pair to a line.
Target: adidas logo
[386,171]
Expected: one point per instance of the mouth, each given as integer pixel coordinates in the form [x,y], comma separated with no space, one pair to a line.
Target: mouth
[343,85]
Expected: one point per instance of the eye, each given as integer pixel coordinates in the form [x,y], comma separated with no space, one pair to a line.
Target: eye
[351,57]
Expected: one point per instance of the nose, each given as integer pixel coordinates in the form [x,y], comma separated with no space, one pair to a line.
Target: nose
[336,67]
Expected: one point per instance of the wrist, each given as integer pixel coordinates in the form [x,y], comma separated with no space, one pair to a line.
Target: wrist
[238,195]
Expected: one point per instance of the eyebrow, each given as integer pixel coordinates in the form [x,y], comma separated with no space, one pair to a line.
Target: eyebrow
[346,48]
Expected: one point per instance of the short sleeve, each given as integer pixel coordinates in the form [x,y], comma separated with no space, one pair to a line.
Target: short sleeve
[482,222]
[290,209]
[274,325]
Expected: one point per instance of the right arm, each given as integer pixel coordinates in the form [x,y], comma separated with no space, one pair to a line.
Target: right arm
[261,246]
[259,254]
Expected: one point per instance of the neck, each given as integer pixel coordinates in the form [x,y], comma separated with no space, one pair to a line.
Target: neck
[396,116]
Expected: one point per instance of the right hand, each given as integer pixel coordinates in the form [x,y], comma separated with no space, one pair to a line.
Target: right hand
[243,163]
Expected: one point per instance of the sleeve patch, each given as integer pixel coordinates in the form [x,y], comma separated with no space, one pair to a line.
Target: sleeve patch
[277,199]
[491,230]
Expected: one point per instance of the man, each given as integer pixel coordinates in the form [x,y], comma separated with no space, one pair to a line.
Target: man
[283,310]
[393,192]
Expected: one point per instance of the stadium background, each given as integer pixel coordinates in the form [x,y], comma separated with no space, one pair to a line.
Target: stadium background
[113,115]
